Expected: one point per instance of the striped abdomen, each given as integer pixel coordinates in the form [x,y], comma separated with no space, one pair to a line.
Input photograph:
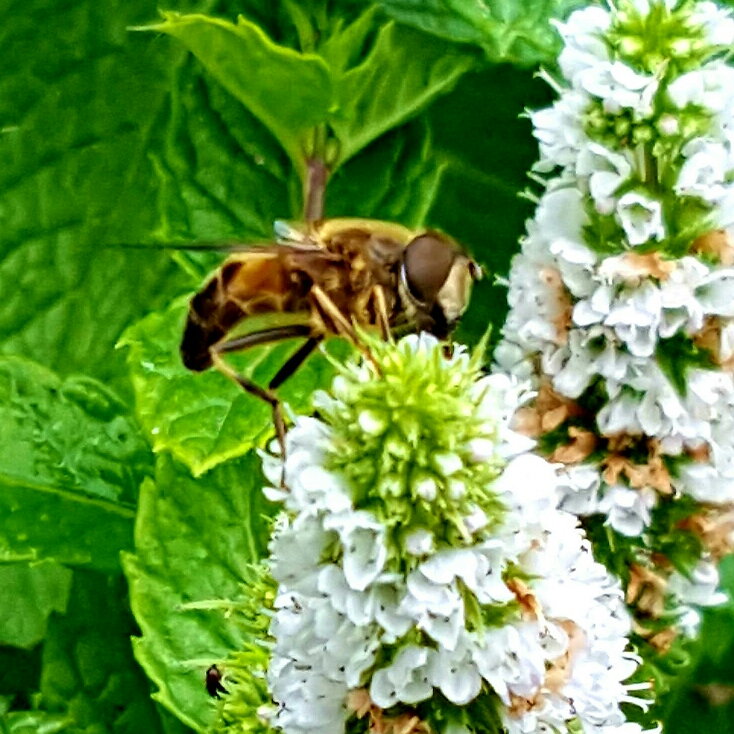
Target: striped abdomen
[247,284]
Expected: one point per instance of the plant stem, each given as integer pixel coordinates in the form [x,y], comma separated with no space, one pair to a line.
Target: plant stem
[314,190]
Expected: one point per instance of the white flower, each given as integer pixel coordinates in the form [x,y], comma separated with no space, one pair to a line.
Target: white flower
[715,293]
[707,482]
[635,318]
[704,171]
[717,23]
[511,660]
[314,703]
[584,45]
[313,488]
[628,510]
[359,587]
[606,171]
[640,217]
[436,608]
[559,131]
[561,218]
[620,87]
[405,680]
[420,542]
[481,571]
[579,489]
[455,673]
[363,538]
[296,549]
[394,622]
[701,588]
[710,87]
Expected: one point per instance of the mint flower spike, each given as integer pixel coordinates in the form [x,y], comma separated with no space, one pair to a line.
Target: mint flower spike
[622,298]
[427,581]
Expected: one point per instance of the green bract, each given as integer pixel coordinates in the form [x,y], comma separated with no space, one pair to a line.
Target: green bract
[406,442]
[665,36]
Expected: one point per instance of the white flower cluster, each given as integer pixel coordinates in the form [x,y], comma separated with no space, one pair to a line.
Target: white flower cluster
[622,299]
[518,614]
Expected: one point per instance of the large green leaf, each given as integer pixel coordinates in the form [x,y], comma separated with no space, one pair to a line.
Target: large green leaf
[89,675]
[71,460]
[289,92]
[80,101]
[359,94]
[204,419]
[396,178]
[194,540]
[506,30]
[28,595]
[402,73]
[221,174]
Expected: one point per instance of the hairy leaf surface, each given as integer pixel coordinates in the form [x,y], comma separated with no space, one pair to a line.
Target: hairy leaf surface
[194,540]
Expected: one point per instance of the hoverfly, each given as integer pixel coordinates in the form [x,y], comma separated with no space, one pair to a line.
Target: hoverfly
[327,275]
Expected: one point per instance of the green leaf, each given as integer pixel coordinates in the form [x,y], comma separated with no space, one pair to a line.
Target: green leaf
[89,675]
[78,119]
[28,595]
[221,174]
[403,72]
[20,674]
[194,539]
[506,30]
[71,460]
[33,722]
[204,419]
[288,91]
[396,178]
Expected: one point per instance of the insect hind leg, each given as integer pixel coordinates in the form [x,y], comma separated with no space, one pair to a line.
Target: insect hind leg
[259,392]
[267,336]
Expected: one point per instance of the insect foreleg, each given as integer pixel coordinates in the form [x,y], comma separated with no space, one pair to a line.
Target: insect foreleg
[330,309]
[380,303]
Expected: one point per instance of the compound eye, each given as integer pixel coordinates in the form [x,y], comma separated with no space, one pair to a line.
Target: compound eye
[427,263]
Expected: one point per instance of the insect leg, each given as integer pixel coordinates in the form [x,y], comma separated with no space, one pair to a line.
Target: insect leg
[294,362]
[266,336]
[383,319]
[341,325]
[241,343]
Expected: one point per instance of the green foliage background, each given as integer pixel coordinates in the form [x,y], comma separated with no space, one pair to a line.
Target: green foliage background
[129,490]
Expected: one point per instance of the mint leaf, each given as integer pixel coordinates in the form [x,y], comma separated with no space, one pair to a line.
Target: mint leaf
[506,30]
[401,74]
[71,460]
[204,419]
[30,592]
[89,675]
[221,174]
[33,722]
[193,539]
[342,85]
[79,117]
[396,178]
[289,92]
